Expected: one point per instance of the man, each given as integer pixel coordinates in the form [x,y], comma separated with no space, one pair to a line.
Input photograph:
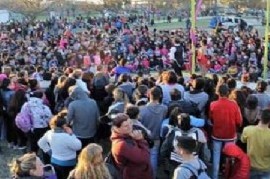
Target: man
[225,116]
[177,56]
[77,74]
[258,146]
[83,115]
[263,97]
[151,117]
[197,95]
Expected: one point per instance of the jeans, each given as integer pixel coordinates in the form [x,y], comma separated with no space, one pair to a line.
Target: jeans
[217,147]
[154,157]
[256,174]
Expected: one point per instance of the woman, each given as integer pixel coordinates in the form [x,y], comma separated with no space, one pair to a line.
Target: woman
[6,94]
[16,103]
[202,58]
[60,84]
[120,101]
[182,128]
[121,69]
[27,166]
[100,81]
[90,164]
[62,144]
[61,93]
[129,149]
[169,80]
[252,111]
[40,116]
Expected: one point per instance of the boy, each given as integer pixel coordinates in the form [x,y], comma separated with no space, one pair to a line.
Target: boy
[192,167]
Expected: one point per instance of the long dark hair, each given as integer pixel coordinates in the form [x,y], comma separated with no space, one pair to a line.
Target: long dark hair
[16,102]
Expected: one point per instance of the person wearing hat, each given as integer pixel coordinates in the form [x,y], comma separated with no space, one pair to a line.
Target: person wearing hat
[192,166]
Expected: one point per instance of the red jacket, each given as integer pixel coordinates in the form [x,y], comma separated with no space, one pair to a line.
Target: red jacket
[131,156]
[241,167]
[226,117]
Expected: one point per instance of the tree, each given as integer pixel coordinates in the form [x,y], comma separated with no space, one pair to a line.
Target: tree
[31,9]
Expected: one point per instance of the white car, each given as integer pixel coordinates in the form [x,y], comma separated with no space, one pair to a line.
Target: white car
[232,22]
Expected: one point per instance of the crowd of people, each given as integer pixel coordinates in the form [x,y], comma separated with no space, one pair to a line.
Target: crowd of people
[71,90]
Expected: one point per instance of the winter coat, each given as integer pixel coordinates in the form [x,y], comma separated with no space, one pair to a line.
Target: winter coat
[131,156]
[241,166]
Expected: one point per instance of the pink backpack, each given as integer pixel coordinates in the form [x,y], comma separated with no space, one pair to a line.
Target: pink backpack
[23,120]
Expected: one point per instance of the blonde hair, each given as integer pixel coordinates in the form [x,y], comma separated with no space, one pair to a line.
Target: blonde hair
[88,166]
[21,167]
[120,95]
[59,120]
[61,81]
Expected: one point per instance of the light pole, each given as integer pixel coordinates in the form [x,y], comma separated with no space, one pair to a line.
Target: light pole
[265,62]
[192,35]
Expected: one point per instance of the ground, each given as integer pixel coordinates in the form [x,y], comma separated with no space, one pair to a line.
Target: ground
[8,154]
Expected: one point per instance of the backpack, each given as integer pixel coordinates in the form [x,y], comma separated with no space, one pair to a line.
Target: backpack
[173,134]
[178,55]
[200,173]
[187,106]
[24,121]
[112,167]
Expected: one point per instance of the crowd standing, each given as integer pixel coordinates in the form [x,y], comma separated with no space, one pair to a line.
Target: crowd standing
[70,88]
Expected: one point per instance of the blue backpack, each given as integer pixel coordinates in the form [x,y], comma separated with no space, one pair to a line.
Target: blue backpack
[200,173]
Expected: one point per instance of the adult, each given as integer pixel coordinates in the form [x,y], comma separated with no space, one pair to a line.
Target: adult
[177,56]
[169,82]
[62,145]
[91,164]
[129,149]
[202,57]
[40,115]
[120,101]
[226,117]
[197,95]
[14,107]
[258,148]
[180,126]
[151,117]
[27,166]
[83,115]
[263,97]
[121,69]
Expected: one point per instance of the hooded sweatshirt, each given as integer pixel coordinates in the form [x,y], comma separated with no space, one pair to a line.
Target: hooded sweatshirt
[152,116]
[40,113]
[83,114]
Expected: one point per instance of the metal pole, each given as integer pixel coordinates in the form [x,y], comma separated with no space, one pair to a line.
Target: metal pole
[193,25]
[265,63]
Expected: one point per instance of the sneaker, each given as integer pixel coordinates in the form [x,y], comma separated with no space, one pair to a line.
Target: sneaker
[21,147]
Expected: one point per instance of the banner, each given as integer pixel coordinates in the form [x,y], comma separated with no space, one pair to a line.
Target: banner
[198,8]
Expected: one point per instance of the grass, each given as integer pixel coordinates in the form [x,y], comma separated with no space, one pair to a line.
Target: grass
[174,25]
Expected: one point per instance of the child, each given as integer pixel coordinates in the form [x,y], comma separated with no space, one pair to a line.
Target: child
[192,166]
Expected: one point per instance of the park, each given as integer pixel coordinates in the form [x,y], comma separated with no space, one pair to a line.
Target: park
[134,89]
